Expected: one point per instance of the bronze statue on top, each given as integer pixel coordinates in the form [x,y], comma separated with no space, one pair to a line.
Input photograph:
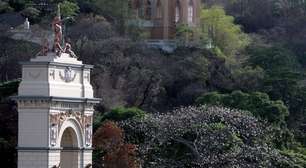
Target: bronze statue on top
[57,28]
[57,47]
[69,51]
[58,35]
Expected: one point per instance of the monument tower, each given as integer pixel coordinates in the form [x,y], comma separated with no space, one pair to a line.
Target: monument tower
[55,108]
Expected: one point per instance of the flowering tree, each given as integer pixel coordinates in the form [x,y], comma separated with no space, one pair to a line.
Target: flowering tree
[109,138]
[203,137]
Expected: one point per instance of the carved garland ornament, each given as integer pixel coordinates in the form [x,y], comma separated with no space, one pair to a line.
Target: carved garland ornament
[57,120]
[34,76]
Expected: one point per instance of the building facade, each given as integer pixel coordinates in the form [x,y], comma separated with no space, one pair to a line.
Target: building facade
[162,17]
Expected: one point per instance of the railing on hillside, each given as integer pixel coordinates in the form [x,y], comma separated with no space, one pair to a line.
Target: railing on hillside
[145,23]
[163,44]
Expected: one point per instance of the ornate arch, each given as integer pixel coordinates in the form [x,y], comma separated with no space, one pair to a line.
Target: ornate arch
[76,127]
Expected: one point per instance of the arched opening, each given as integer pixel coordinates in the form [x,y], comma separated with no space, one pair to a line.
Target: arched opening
[177,11]
[70,153]
[159,13]
[190,12]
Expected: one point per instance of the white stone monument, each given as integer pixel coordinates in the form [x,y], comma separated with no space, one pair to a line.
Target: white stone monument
[55,113]
[55,110]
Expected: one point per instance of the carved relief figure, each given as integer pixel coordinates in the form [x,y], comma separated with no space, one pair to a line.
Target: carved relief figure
[54,119]
[53,134]
[87,77]
[88,134]
[88,130]
[57,120]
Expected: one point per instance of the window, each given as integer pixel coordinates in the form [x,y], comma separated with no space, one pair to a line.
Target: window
[190,12]
[159,9]
[148,9]
[177,11]
[138,8]
[130,4]
[137,4]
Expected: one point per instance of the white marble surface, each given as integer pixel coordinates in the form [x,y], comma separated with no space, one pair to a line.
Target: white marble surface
[65,78]
[52,57]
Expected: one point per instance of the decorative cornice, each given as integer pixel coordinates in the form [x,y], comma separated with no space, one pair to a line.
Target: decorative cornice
[48,148]
[59,99]
[84,66]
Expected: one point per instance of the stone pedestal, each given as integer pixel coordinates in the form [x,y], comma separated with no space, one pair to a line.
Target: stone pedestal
[55,113]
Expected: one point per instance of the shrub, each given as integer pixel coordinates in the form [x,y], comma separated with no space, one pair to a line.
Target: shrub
[5,7]
[121,113]
[8,88]
[109,138]
[31,13]
[69,9]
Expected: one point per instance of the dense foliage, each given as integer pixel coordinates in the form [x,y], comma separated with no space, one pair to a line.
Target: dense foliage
[121,113]
[258,103]
[8,124]
[220,30]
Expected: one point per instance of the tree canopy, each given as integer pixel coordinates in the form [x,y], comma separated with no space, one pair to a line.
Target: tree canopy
[220,30]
